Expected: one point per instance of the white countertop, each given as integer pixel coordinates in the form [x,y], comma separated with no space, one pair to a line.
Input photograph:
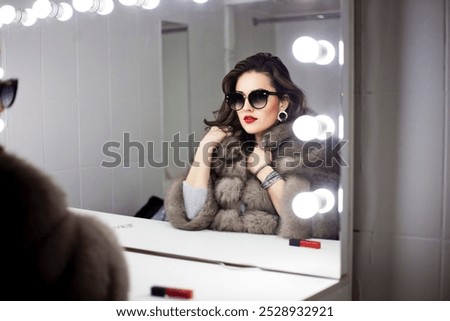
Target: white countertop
[214,282]
[266,252]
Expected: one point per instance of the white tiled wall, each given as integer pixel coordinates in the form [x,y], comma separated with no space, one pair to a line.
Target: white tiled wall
[90,80]
[401,188]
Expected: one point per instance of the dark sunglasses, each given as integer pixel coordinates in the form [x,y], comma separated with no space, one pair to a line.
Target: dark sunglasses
[8,90]
[257,99]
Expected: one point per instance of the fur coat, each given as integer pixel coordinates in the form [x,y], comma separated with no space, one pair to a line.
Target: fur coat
[236,201]
[48,252]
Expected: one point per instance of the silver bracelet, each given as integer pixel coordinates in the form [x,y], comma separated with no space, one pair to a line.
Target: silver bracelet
[271,179]
[260,168]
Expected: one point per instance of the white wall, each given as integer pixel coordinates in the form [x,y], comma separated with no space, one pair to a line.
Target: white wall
[88,81]
[401,217]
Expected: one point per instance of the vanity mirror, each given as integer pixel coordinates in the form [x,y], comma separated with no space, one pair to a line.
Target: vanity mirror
[98,93]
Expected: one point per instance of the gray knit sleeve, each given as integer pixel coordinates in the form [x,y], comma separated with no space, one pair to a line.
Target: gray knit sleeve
[194,199]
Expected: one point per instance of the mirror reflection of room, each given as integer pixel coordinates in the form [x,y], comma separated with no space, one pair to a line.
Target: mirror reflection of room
[111,86]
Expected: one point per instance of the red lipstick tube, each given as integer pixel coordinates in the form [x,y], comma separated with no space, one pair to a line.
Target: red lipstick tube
[304,243]
[171,292]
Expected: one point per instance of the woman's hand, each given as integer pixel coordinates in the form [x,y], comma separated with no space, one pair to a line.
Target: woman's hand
[257,159]
[199,173]
[215,135]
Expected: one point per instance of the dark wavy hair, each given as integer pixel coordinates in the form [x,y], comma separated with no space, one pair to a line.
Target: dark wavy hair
[273,67]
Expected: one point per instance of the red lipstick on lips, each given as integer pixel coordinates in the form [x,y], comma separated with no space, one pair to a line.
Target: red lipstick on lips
[249,119]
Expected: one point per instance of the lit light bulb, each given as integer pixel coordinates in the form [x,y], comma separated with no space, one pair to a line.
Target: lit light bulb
[2,125]
[200,1]
[28,17]
[146,4]
[65,12]
[83,5]
[326,125]
[305,49]
[2,73]
[308,127]
[326,200]
[106,7]
[128,2]
[307,204]
[42,8]
[150,4]
[327,53]
[7,14]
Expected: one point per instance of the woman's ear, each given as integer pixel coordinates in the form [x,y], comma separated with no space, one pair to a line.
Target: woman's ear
[284,102]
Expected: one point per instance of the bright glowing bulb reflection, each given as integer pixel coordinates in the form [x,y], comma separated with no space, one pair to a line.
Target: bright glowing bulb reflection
[128,2]
[2,125]
[326,200]
[326,126]
[65,12]
[306,49]
[7,14]
[308,127]
[327,53]
[200,1]
[28,17]
[2,73]
[82,5]
[150,4]
[307,204]
[106,7]
[42,8]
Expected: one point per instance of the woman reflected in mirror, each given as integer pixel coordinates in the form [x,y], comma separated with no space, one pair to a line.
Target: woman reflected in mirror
[249,165]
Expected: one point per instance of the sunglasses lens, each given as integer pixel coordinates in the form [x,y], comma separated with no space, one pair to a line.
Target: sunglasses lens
[8,94]
[258,98]
[235,101]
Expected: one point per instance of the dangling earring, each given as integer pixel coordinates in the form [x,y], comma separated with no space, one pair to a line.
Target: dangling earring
[282,116]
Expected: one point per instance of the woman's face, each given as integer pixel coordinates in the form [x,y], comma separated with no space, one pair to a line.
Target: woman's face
[256,121]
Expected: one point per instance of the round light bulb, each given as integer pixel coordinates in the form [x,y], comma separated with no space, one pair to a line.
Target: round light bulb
[306,49]
[65,12]
[106,7]
[327,126]
[306,128]
[82,5]
[42,8]
[327,53]
[305,205]
[128,2]
[326,200]
[7,14]
[28,17]
[2,125]
[200,1]
[150,4]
